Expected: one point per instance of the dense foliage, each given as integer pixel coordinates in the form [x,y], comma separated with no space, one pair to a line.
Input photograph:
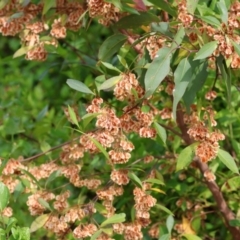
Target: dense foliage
[125,121]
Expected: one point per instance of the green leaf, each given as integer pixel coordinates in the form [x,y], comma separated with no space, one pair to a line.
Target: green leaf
[157,71]
[116,218]
[11,222]
[4,196]
[162,27]
[73,116]
[123,61]
[21,51]
[234,222]
[191,237]
[178,39]
[99,146]
[236,47]
[32,177]
[223,10]
[96,234]
[165,237]
[164,209]
[226,76]
[39,222]
[110,66]
[206,50]
[227,160]
[111,82]
[165,6]
[79,86]
[87,118]
[53,176]
[170,223]
[134,21]
[232,184]
[211,20]
[185,158]
[191,5]
[24,233]
[154,180]
[3,3]
[3,165]
[135,178]
[198,78]
[111,46]
[44,203]
[48,4]
[160,131]
[182,77]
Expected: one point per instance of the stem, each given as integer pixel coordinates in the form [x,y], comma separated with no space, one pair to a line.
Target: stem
[212,186]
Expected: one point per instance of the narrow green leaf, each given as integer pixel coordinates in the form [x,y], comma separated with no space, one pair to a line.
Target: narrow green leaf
[165,237]
[185,158]
[178,39]
[99,146]
[11,222]
[154,180]
[157,190]
[111,46]
[170,223]
[164,209]
[4,196]
[44,204]
[123,61]
[236,47]
[162,27]
[199,76]
[232,184]
[87,118]
[116,218]
[211,20]
[157,71]
[21,51]
[191,5]
[3,165]
[96,234]
[111,82]
[223,10]
[134,21]
[48,4]
[108,231]
[73,116]
[79,86]
[226,76]
[39,222]
[182,77]
[161,132]
[227,160]
[206,50]
[32,177]
[110,66]
[165,6]
[191,237]
[135,178]
[53,176]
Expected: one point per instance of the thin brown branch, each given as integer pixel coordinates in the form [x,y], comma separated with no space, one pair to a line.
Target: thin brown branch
[212,186]
[171,129]
[50,150]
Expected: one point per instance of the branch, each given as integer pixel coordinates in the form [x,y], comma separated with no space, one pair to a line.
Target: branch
[50,150]
[212,186]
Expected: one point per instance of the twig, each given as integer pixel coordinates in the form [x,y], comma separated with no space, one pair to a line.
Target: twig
[50,150]
[212,186]
[171,129]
